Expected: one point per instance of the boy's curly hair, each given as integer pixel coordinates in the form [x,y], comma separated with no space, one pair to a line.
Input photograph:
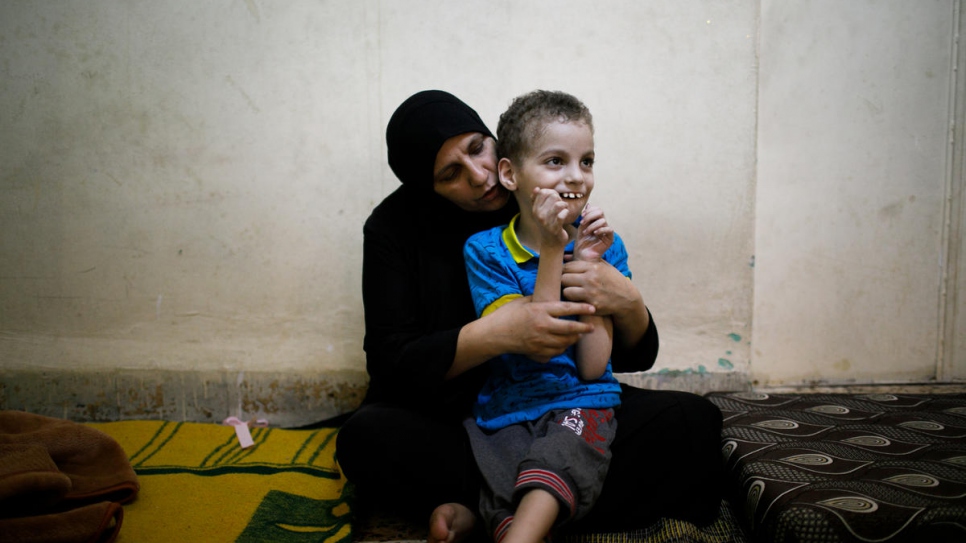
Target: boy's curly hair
[529,114]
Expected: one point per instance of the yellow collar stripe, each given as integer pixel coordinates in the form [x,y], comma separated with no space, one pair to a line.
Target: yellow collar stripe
[519,253]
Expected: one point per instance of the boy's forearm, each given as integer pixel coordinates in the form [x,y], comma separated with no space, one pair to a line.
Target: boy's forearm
[547,287]
[594,349]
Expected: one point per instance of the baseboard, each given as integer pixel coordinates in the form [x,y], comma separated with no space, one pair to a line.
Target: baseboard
[290,399]
[688,380]
[284,399]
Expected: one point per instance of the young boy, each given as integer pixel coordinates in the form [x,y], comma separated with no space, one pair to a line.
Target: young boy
[542,428]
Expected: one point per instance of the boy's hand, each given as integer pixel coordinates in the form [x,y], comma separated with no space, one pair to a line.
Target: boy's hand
[594,235]
[550,211]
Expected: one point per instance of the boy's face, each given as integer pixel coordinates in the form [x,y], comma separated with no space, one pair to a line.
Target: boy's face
[561,159]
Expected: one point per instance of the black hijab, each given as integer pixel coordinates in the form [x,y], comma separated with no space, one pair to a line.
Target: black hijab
[418,129]
[415,133]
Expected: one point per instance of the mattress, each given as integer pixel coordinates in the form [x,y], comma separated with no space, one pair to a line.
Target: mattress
[846,467]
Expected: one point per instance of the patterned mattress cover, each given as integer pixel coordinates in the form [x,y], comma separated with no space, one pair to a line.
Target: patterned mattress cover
[844,467]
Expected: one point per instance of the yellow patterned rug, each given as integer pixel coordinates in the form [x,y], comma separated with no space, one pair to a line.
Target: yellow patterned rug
[199,485]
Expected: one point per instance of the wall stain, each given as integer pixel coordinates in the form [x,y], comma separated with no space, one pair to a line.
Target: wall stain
[892,211]
[248,99]
[253,9]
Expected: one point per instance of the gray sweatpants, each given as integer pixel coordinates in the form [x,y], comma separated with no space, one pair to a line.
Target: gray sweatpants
[565,452]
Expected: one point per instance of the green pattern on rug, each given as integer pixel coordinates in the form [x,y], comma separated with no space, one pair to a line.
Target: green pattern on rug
[289,518]
[199,485]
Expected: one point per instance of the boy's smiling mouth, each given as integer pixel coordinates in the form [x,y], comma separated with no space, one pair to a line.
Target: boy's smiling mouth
[571,195]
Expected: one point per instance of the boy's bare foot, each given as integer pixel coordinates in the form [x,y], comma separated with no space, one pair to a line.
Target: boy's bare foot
[450,523]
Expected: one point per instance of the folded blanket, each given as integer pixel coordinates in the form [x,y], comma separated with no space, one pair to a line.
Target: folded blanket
[95,523]
[60,480]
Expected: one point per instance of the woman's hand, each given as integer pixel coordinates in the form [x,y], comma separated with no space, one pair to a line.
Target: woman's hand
[599,284]
[606,288]
[522,326]
[536,330]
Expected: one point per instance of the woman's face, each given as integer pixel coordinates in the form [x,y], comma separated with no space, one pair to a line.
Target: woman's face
[465,173]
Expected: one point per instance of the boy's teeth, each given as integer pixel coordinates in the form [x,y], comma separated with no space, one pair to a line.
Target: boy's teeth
[571,195]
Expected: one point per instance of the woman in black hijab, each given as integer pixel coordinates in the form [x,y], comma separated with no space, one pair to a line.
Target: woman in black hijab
[405,448]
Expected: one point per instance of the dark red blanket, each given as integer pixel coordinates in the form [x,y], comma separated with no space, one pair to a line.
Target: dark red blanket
[60,481]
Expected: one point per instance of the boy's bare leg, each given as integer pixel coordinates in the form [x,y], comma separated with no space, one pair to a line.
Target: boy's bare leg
[449,523]
[534,517]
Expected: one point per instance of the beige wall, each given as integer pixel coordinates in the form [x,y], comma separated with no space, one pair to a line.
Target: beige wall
[856,232]
[183,184]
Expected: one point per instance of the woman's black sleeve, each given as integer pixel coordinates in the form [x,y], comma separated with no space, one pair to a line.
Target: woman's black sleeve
[641,356]
[404,355]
